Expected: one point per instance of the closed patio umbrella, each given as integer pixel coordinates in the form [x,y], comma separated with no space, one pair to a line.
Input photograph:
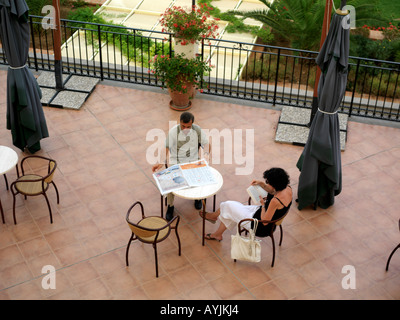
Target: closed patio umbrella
[25,117]
[320,163]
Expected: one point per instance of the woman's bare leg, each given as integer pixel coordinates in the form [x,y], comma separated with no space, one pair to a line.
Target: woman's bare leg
[217,234]
[212,215]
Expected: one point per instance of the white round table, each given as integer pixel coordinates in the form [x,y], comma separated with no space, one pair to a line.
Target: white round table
[202,193]
[8,160]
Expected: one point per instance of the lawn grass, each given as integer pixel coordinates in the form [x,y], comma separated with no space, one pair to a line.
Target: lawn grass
[390,10]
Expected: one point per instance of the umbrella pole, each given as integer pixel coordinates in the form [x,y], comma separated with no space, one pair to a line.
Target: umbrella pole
[324,33]
[57,47]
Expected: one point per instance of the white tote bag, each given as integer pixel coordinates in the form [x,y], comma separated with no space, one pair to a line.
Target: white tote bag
[246,249]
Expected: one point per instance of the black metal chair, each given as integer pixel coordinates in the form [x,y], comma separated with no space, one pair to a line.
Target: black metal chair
[394,250]
[152,230]
[32,184]
[275,223]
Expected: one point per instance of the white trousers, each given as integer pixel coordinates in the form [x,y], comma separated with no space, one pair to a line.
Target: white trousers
[233,211]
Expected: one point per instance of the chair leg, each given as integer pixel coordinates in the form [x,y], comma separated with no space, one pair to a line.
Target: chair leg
[156,259]
[48,204]
[2,213]
[5,179]
[58,197]
[127,249]
[177,236]
[273,250]
[390,257]
[15,219]
[280,241]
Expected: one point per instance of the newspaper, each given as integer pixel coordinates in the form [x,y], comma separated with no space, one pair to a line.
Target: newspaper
[184,175]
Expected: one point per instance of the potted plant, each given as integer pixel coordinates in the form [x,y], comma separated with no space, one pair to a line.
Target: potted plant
[189,26]
[182,76]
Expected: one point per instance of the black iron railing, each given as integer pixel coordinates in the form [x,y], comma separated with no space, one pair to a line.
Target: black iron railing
[269,74]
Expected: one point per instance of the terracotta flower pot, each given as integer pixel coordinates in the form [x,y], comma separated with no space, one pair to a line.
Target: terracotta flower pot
[182,101]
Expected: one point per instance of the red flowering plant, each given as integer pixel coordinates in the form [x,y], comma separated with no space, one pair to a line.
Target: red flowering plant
[390,33]
[189,26]
[177,72]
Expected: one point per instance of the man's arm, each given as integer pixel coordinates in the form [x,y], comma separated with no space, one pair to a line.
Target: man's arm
[206,152]
[165,163]
[206,146]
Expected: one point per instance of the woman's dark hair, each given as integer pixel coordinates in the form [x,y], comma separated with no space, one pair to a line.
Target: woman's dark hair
[186,117]
[277,178]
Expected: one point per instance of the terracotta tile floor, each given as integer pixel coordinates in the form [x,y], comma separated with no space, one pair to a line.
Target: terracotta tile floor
[103,169]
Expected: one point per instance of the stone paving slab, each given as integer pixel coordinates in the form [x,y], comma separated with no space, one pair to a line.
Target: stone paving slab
[47,95]
[292,126]
[48,79]
[76,90]
[81,83]
[69,100]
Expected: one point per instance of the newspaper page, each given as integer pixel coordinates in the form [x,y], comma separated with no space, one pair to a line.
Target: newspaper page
[186,175]
[170,179]
[198,173]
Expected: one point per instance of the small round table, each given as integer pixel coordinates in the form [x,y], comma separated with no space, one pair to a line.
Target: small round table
[8,160]
[202,193]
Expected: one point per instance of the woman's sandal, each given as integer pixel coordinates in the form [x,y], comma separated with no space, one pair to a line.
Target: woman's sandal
[210,220]
[208,237]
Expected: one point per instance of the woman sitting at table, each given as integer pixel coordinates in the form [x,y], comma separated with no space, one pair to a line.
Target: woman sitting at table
[276,205]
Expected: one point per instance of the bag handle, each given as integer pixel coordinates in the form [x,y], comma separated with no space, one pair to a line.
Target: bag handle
[252,232]
[249,229]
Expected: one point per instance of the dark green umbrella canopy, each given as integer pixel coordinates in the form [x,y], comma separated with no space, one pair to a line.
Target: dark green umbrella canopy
[25,117]
[320,163]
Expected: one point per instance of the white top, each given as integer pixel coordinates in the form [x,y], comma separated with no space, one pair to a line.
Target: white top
[8,159]
[202,192]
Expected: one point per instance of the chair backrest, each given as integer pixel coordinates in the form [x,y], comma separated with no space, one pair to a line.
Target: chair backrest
[280,220]
[140,231]
[51,169]
[276,222]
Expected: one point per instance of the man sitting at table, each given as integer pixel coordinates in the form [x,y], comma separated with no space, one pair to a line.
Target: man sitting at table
[182,145]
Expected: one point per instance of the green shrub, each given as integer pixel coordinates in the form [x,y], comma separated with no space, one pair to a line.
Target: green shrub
[236,24]
[134,46]
[35,6]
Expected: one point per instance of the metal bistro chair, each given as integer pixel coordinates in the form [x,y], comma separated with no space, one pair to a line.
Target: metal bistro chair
[31,184]
[277,222]
[152,230]
[394,250]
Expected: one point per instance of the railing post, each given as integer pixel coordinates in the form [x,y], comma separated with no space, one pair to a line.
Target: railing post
[202,58]
[170,45]
[58,68]
[101,56]
[276,75]
[354,88]
[33,44]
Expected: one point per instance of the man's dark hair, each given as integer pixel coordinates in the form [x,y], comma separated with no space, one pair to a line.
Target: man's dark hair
[186,117]
[277,178]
